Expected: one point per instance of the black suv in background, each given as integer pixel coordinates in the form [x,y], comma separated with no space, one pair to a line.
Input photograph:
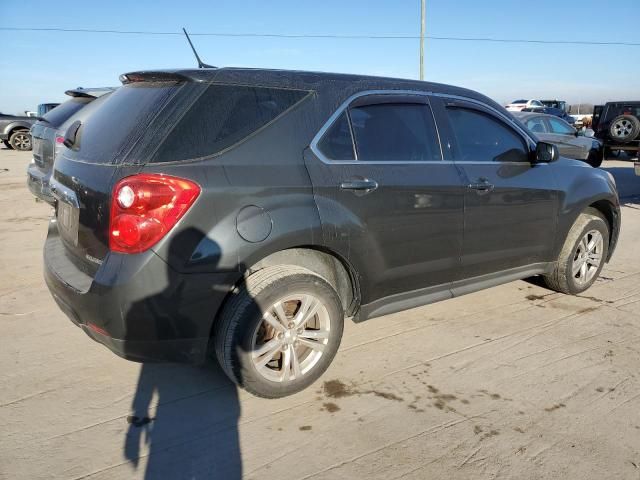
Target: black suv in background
[47,138]
[618,125]
[248,212]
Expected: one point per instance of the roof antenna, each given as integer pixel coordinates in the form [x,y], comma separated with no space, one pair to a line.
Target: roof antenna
[200,63]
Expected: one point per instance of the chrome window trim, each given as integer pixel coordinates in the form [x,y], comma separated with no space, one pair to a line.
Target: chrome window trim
[344,105]
[527,137]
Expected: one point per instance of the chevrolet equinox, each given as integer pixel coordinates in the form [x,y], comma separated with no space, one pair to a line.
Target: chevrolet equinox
[245,213]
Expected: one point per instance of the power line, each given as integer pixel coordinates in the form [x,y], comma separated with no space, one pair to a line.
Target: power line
[329,36]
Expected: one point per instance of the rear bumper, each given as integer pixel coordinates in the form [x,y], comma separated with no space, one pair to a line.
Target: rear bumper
[38,183]
[136,305]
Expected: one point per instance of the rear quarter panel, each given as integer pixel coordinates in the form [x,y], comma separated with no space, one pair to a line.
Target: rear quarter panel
[259,187]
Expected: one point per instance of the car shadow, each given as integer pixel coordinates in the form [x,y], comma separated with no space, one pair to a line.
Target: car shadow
[184,418]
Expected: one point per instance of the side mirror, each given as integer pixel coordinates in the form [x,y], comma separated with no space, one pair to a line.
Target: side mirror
[546,153]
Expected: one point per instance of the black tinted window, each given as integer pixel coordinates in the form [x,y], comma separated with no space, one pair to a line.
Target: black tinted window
[111,127]
[62,112]
[395,132]
[336,143]
[222,116]
[483,138]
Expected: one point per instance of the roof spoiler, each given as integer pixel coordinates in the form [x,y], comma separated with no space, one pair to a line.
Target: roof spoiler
[152,76]
[88,92]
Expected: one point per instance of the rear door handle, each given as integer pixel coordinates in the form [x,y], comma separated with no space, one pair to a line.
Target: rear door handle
[362,186]
[482,187]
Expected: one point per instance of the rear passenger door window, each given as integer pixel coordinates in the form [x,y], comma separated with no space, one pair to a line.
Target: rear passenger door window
[337,143]
[403,132]
[480,137]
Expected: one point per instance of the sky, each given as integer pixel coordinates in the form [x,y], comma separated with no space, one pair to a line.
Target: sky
[37,67]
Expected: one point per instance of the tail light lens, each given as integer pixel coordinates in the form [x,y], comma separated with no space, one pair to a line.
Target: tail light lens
[145,207]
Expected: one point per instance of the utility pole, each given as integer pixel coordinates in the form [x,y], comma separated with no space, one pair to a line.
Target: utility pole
[422,15]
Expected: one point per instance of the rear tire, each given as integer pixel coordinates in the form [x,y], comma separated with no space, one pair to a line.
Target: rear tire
[569,275]
[20,140]
[267,342]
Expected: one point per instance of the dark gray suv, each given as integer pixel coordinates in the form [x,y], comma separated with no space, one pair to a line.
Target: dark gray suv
[247,212]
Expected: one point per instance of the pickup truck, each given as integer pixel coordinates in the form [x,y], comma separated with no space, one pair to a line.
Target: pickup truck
[14,131]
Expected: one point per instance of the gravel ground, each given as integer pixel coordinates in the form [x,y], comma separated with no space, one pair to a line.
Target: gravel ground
[512,382]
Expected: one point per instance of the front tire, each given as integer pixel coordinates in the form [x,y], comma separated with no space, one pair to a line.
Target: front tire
[20,140]
[594,158]
[280,331]
[582,256]
[7,144]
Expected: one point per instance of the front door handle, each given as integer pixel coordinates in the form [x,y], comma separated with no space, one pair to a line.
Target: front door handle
[482,186]
[361,186]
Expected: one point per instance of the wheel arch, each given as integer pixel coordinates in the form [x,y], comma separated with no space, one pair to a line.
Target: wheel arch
[328,264]
[15,126]
[612,216]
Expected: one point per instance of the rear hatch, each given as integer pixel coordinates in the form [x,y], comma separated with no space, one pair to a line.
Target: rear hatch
[43,132]
[155,117]
[103,146]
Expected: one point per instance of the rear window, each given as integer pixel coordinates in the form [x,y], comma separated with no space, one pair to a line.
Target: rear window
[109,132]
[223,116]
[62,112]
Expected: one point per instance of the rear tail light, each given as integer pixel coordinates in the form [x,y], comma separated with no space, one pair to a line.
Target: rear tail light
[145,207]
[59,140]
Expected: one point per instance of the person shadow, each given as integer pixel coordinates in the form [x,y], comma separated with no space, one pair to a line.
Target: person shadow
[184,418]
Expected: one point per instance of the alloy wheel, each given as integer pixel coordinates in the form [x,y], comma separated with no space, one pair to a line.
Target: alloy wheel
[291,338]
[21,141]
[622,128]
[588,257]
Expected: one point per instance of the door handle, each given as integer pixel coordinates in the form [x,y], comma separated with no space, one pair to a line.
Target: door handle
[362,186]
[482,187]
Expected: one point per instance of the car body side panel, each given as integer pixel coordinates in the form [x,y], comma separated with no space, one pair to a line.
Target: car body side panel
[569,145]
[404,236]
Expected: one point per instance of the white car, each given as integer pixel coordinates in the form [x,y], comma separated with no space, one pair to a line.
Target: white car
[518,105]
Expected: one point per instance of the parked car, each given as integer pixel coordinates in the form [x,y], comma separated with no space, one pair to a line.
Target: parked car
[571,142]
[556,112]
[618,125]
[518,105]
[559,104]
[14,131]
[47,138]
[250,211]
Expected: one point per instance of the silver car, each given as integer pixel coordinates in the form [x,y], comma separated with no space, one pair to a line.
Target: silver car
[572,143]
